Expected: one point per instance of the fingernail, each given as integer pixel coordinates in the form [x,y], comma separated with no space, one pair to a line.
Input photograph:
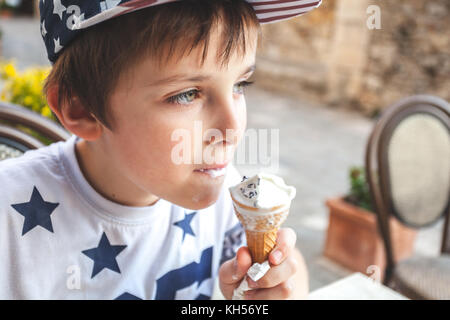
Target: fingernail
[277,255]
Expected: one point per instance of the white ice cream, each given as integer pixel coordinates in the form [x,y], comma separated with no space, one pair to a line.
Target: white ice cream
[263,191]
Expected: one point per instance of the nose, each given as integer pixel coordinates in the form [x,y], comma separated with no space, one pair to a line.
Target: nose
[229,117]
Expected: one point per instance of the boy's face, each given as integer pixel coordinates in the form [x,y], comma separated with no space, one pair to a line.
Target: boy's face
[150,116]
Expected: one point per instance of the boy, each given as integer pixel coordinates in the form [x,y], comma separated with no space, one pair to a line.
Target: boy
[111,213]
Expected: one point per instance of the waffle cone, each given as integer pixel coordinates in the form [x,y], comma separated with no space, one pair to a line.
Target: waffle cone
[261,230]
[261,244]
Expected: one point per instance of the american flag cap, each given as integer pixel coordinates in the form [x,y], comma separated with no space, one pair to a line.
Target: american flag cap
[62,20]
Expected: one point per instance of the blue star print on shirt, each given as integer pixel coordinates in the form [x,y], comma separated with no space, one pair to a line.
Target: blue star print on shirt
[174,280]
[185,224]
[104,256]
[127,296]
[36,212]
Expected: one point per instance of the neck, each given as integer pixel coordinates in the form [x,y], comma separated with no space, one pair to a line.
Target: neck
[99,170]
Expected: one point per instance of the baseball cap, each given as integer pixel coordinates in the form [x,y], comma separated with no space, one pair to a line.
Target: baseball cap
[62,20]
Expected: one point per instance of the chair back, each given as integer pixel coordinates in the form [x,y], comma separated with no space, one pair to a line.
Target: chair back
[408,166]
[14,140]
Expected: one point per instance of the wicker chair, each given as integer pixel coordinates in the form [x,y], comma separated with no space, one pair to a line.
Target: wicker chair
[408,170]
[15,142]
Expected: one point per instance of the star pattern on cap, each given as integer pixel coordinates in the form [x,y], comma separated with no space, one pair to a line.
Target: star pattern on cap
[185,224]
[108,4]
[36,212]
[58,8]
[104,255]
[77,21]
[43,30]
[58,46]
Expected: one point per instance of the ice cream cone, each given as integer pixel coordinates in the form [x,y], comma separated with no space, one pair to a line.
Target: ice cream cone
[261,204]
[260,229]
[261,244]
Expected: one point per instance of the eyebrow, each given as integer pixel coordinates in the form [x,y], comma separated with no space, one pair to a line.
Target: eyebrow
[187,78]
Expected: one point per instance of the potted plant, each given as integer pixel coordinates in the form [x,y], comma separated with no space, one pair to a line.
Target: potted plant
[352,237]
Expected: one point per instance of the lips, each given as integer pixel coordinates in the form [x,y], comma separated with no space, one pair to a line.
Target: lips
[213,166]
[213,171]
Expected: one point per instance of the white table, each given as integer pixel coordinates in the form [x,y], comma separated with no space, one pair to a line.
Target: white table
[355,287]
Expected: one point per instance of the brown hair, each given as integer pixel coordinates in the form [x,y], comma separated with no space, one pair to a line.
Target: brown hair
[91,65]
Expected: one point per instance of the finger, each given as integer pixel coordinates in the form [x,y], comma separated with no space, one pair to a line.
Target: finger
[276,274]
[285,243]
[233,271]
[282,291]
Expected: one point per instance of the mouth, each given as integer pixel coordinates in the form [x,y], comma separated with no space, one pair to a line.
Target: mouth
[213,172]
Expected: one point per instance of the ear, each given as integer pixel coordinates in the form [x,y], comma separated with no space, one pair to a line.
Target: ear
[74,117]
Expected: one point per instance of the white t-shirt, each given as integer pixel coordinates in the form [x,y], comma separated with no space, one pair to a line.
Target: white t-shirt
[60,239]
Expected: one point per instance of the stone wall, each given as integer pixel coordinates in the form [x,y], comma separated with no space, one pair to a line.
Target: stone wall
[292,54]
[330,56]
[409,55]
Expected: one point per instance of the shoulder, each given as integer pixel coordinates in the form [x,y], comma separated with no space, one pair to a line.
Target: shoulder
[34,166]
[30,160]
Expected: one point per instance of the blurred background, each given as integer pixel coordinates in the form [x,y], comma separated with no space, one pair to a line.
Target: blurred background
[323,80]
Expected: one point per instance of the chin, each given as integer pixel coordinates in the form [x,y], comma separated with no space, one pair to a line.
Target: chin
[198,203]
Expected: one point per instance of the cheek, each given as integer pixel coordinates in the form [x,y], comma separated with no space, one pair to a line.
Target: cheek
[243,117]
[144,150]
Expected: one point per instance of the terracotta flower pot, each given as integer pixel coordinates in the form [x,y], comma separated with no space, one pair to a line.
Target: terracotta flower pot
[354,241]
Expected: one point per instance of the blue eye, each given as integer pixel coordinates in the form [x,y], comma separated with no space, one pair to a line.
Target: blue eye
[244,84]
[183,98]
[188,97]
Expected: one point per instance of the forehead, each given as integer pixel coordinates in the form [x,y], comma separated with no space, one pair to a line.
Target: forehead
[203,60]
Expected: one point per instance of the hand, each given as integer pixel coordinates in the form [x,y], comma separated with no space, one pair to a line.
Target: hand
[285,279]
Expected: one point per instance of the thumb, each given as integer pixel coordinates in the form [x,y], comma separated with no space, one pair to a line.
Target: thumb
[233,271]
